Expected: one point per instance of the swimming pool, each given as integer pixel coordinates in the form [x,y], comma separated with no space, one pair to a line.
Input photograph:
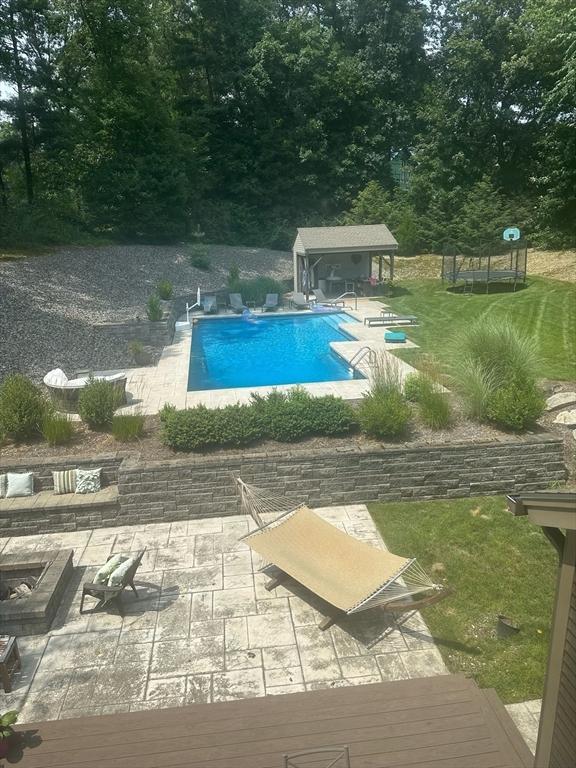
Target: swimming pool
[266,350]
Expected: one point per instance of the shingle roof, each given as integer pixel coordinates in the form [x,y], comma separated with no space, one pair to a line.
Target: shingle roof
[365,237]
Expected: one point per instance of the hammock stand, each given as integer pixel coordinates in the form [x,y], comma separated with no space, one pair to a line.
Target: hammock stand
[349,574]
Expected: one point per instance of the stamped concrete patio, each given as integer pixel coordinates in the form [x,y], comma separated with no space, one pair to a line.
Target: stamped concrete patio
[203,627]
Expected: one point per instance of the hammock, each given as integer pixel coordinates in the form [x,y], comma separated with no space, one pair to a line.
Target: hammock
[349,574]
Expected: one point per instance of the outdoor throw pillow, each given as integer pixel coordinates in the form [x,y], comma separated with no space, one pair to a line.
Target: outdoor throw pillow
[64,481]
[116,577]
[19,484]
[3,484]
[104,573]
[88,480]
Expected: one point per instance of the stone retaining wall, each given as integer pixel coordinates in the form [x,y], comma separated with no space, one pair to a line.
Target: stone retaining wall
[156,334]
[201,487]
[192,486]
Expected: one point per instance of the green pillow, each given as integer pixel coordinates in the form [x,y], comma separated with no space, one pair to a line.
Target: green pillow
[118,575]
[103,574]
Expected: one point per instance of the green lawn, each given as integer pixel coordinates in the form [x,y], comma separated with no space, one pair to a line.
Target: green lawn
[497,564]
[545,309]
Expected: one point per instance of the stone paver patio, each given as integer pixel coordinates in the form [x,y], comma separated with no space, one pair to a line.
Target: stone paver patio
[203,627]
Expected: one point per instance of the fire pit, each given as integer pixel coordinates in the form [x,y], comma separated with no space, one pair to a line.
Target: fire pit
[31,588]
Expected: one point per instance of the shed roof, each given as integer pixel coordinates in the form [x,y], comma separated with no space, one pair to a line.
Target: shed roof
[368,237]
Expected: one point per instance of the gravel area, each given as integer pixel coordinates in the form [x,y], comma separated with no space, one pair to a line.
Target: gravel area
[48,304]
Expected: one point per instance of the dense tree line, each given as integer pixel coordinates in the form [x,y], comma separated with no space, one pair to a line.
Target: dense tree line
[238,120]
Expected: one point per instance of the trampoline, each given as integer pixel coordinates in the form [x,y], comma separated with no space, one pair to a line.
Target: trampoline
[488,265]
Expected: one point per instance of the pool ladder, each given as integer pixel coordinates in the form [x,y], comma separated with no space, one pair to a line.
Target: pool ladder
[360,355]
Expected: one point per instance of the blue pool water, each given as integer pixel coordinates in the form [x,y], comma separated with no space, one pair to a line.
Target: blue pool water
[267,350]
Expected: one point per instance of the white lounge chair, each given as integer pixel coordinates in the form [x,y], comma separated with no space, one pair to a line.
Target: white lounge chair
[298,300]
[64,391]
[322,299]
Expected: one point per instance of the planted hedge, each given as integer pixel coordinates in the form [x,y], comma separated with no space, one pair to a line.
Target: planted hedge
[285,417]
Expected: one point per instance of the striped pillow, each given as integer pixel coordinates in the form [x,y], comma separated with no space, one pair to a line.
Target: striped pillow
[65,481]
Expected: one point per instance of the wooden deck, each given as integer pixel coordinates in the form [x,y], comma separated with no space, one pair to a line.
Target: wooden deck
[437,722]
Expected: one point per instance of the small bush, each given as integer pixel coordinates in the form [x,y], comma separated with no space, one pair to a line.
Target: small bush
[434,408]
[127,427]
[384,415]
[487,357]
[138,353]
[165,289]
[413,387]
[384,412]
[200,428]
[22,408]
[199,258]
[97,403]
[329,415]
[154,309]
[233,274]
[515,406]
[57,429]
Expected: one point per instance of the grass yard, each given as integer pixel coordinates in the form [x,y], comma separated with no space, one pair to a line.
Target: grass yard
[497,564]
[545,309]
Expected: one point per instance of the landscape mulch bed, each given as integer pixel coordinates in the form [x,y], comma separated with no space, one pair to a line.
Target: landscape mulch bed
[150,447]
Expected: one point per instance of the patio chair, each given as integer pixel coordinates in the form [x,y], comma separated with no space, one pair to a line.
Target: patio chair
[105,594]
[298,300]
[271,303]
[209,305]
[322,299]
[236,303]
[335,757]
[348,574]
[64,392]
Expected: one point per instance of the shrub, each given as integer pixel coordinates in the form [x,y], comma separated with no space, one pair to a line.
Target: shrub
[255,290]
[329,415]
[57,429]
[22,408]
[233,274]
[434,407]
[199,258]
[154,309]
[199,428]
[515,406]
[127,427]
[492,361]
[413,387]
[97,403]
[384,412]
[138,353]
[165,289]
[283,416]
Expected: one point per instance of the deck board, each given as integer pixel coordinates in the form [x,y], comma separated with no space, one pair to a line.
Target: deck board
[440,722]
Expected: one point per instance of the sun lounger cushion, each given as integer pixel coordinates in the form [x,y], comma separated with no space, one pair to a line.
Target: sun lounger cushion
[104,573]
[88,480]
[118,574]
[64,481]
[19,484]
[395,336]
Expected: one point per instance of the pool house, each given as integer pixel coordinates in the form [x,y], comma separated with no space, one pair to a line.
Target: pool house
[341,259]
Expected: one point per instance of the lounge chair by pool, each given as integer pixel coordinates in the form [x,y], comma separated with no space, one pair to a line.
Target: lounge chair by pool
[271,303]
[236,303]
[391,319]
[298,300]
[322,299]
[209,305]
